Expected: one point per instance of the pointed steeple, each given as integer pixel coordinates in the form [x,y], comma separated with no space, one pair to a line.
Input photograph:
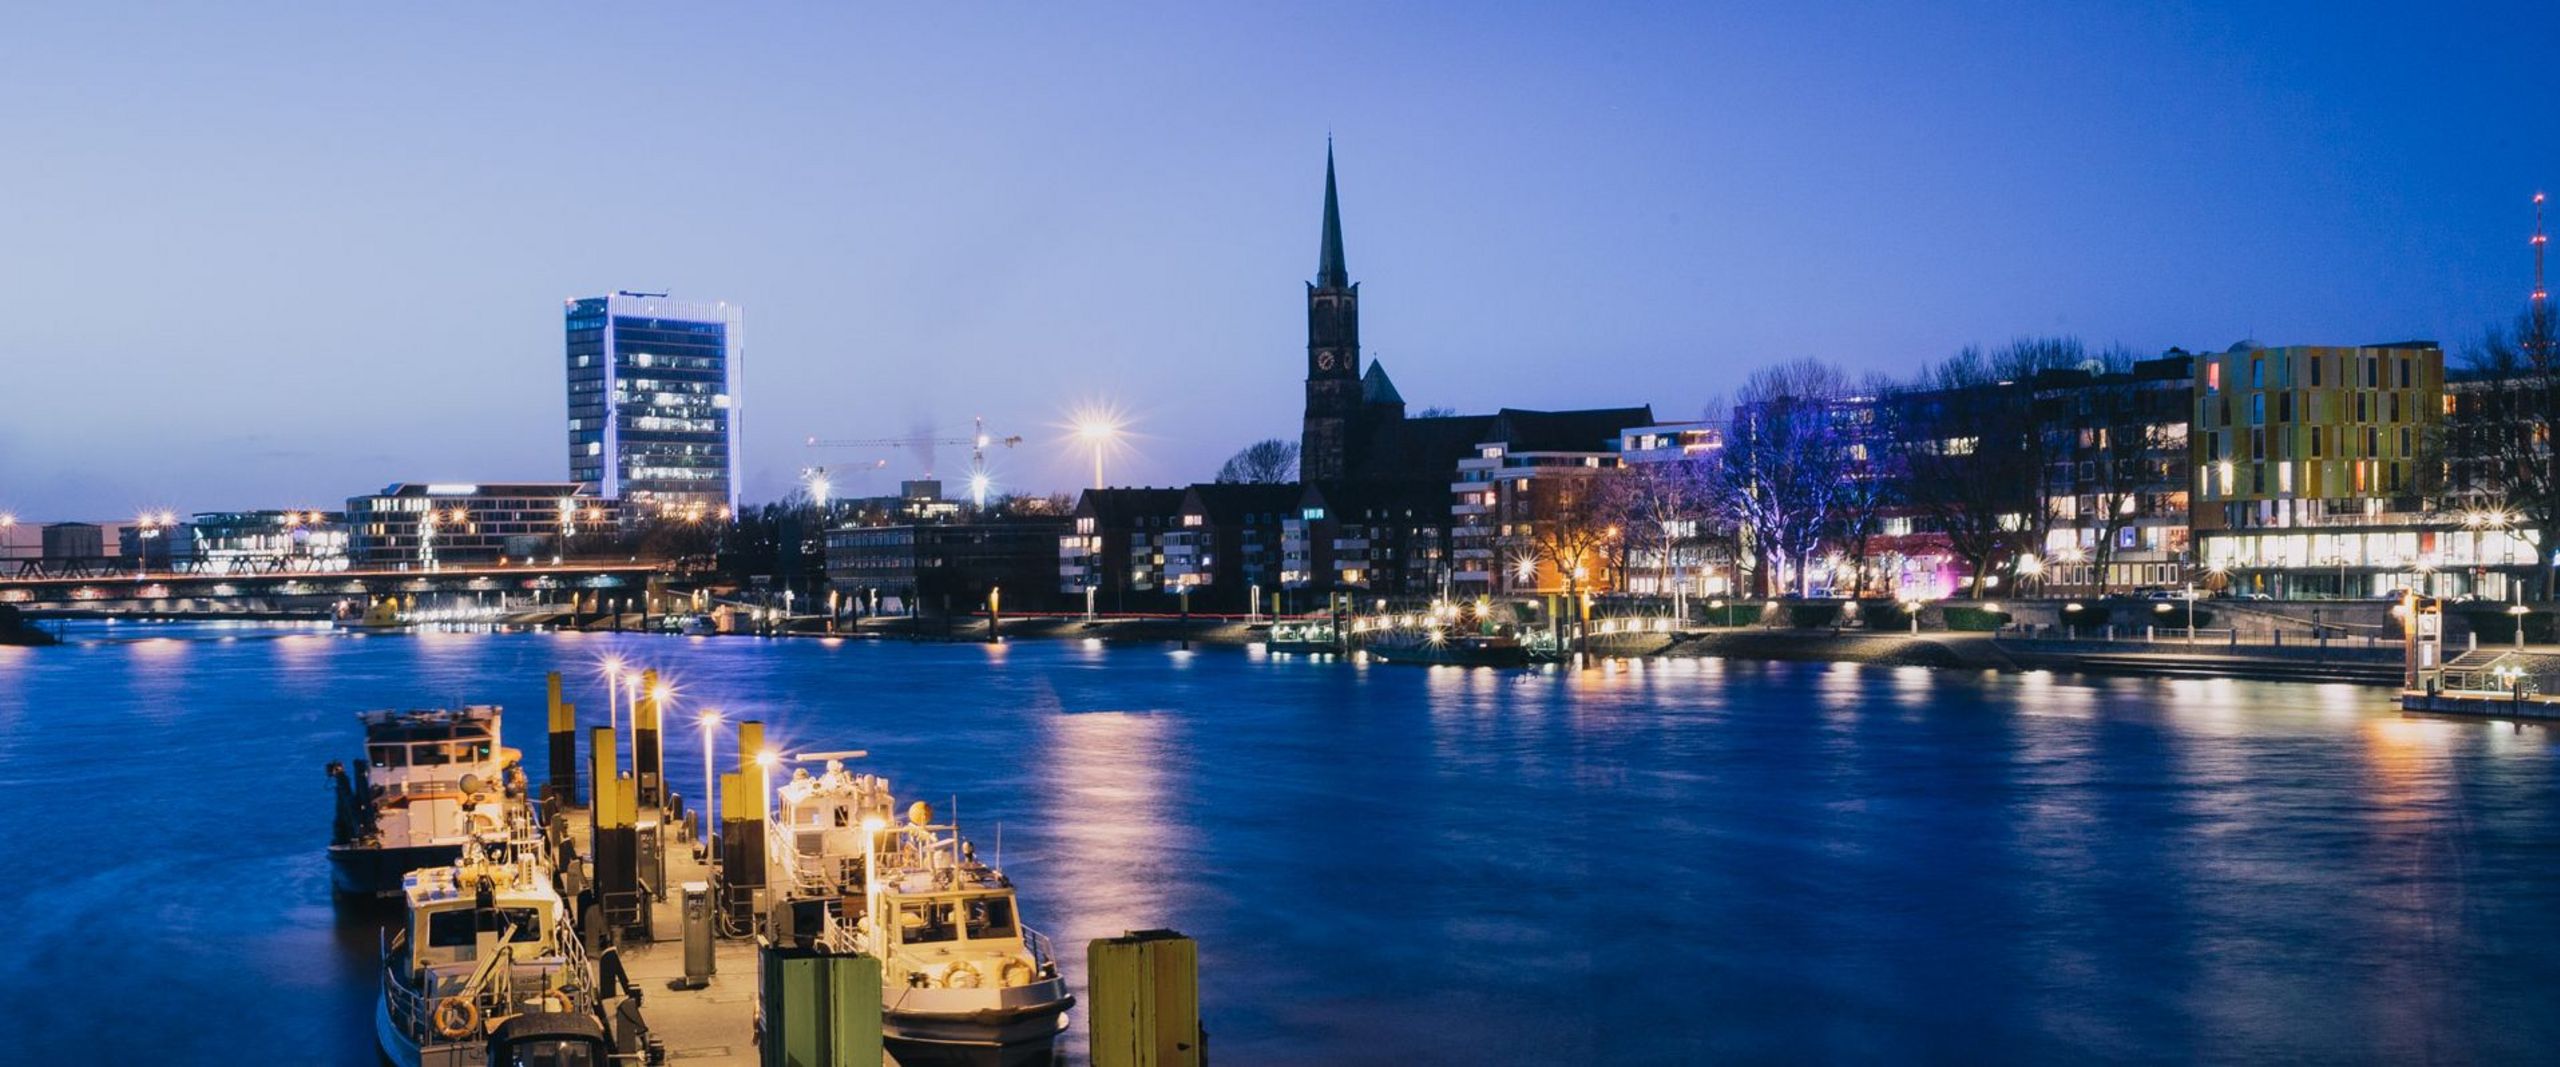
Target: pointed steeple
[1330,273]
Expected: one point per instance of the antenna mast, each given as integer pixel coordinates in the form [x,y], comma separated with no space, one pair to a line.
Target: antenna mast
[2540,294]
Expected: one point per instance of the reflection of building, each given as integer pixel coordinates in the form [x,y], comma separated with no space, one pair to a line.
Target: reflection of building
[264,542]
[2312,466]
[417,524]
[939,567]
[653,395]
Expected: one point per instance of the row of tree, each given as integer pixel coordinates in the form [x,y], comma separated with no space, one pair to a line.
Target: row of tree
[1814,461]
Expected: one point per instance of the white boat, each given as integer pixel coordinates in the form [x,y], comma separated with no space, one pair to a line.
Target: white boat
[963,979]
[429,780]
[486,953]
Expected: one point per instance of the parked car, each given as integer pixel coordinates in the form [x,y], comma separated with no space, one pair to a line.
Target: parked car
[2164,594]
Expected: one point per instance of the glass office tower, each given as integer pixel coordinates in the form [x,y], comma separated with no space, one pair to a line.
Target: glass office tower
[653,402]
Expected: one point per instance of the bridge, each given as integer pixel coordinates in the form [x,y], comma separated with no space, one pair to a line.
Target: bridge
[79,588]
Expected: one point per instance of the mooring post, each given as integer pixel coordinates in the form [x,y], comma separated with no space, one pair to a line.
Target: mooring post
[744,797]
[614,826]
[648,758]
[1145,987]
[562,779]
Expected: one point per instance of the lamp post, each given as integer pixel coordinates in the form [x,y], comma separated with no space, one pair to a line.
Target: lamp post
[1097,431]
[2191,612]
[710,719]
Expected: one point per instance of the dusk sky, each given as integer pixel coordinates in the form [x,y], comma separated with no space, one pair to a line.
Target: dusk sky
[277,257]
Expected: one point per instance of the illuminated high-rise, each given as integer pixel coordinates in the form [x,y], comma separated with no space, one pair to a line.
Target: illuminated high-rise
[653,402]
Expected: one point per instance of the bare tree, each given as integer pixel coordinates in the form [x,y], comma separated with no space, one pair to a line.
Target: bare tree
[1782,463]
[1267,462]
[2503,436]
[1977,458]
[1659,510]
[1436,411]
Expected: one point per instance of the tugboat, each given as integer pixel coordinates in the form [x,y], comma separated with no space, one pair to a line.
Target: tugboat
[429,781]
[487,968]
[963,979]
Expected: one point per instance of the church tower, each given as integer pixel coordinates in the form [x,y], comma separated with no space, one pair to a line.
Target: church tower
[1333,354]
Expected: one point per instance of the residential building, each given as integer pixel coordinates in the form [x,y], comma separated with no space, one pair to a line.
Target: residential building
[1385,538]
[426,525]
[653,402]
[2119,479]
[939,568]
[1114,553]
[1226,543]
[2314,468]
[1528,516]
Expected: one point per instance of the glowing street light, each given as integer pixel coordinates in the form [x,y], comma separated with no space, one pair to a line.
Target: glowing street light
[1097,429]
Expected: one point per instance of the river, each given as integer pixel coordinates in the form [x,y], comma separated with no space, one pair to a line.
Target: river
[1677,861]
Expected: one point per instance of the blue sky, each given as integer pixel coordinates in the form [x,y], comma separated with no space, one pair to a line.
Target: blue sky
[276,256]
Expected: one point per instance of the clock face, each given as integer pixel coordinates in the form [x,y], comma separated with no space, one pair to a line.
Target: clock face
[1324,361]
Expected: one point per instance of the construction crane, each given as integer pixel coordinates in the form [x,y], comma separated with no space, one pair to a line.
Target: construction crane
[977,442]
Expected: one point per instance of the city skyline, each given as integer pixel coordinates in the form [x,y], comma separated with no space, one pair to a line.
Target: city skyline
[1648,204]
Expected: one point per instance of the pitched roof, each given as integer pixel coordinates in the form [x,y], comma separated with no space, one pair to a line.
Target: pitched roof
[1587,430]
[1377,388]
[1111,506]
[1227,503]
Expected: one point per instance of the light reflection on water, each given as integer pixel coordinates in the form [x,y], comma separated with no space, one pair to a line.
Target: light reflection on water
[1651,862]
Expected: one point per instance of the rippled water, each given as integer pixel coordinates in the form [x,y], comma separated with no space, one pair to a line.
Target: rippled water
[1675,862]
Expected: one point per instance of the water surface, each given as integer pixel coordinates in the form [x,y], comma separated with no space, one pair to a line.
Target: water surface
[1671,862]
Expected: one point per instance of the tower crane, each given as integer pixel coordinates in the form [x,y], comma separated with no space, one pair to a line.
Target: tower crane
[978,443]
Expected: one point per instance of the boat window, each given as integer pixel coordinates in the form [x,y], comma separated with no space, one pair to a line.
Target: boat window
[927,922]
[426,755]
[460,927]
[390,755]
[990,917]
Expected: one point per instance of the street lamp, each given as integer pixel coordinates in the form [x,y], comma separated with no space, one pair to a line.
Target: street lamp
[1097,429]
[709,719]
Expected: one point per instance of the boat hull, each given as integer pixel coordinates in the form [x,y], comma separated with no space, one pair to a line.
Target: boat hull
[1013,1037]
[359,871]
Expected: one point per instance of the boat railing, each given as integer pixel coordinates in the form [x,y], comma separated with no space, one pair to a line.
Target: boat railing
[1044,955]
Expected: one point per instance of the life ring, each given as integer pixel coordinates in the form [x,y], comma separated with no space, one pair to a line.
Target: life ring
[457,1017]
[961,976]
[1015,972]
[555,1002]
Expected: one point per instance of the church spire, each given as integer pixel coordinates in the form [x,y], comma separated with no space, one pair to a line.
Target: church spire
[1330,273]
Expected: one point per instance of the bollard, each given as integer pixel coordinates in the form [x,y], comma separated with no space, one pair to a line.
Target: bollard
[613,823]
[818,1009]
[648,758]
[1145,988]
[2150,633]
[563,776]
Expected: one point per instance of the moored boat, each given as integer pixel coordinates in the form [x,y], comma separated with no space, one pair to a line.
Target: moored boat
[429,781]
[963,979]
[486,957]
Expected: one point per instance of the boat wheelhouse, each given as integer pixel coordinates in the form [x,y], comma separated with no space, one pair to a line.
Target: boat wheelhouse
[429,780]
[486,942]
